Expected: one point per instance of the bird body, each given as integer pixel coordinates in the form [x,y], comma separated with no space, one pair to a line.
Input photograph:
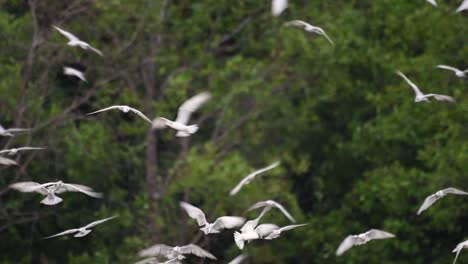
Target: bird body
[459,73]
[82,231]
[125,109]
[420,97]
[251,176]
[309,28]
[431,199]
[74,72]
[361,239]
[76,42]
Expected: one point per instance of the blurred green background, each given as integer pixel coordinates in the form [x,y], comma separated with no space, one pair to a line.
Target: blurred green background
[356,151]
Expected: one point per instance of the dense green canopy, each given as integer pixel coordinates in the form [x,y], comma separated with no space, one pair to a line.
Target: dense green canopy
[356,151]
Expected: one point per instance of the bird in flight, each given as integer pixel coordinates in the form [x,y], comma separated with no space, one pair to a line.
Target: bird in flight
[361,239]
[276,232]
[420,97]
[463,6]
[82,231]
[431,199]
[248,232]
[125,109]
[458,249]
[7,162]
[74,41]
[252,176]
[175,252]
[458,73]
[74,72]
[278,6]
[11,131]
[223,222]
[14,151]
[271,204]
[309,28]
[432,2]
[52,188]
[183,116]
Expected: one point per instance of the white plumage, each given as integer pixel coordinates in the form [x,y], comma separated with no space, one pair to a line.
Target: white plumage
[74,41]
[431,199]
[361,239]
[309,28]
[420,97]
[82,231]
[251,176]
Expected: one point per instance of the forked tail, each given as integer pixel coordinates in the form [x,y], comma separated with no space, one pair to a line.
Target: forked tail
[238,239]
[51,200]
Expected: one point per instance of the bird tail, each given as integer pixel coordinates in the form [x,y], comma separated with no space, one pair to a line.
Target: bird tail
[192,129]
[238,239]
[51,200]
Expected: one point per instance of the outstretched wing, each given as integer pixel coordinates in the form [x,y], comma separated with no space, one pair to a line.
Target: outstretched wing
[67,34]
[6,161]
[30,148]
[413,86]
[452,190]
[228,222]
[70,231]
[297,23]
[197,251]
[432,2]
[428,202]
[347,243]
[95,50]
[105,109]
[463,6]
[440,97]
[29,187]
[194,212]
[274,204]
[238,259]
[139,113]
[156,250]
[190,106]
[379,234]
[152,260]
[68,187]
[327,37]
[95,223]
[289,227]
[446,67]
[239,186]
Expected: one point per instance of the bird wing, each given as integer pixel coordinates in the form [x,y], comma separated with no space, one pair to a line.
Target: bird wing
[432,2]
[446,67]
[379,234]
[190,106]
[243,182]
[328,38]
[68,187]
[284,211]
[228,222]
[141,115]
[197,251]
[105,109]
[29,187]
[428,202]
[269,167]
[67,34]
[17,129]
[463,6]
[297,23]
[452,190]
[264,230]
[95,223]
[159,123]
[250,225]
[347,243]
[5,161]
[70,231]
[278,6]
[440,97]
[152,260]
[238,259]
[95,50]
[415,88]
[30,148]
[194,212]
[289,227]
[156,250]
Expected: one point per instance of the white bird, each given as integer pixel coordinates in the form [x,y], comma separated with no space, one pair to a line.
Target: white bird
[82,231]
[463,6]
[271,203]
[248,232]
[11,131]
[7,162]
[431,199]
[251,176]
[238,259]
[13,151]
[74,72]
[420,97]
[154,260]
[458,73]
[125,109]
[361,239]
[309,28]
[223,222]
[175,252]
[183,116]
[277,232]
[74,41]
[459,248]
[264,230]
[278,6]
[432,2]
[52,188]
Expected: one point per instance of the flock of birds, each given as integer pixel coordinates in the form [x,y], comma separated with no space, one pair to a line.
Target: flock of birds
[249,230]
